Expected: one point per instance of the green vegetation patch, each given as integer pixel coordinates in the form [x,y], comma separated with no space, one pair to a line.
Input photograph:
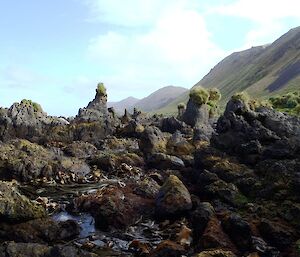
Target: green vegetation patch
[289,103]
[101,89]
[37,107]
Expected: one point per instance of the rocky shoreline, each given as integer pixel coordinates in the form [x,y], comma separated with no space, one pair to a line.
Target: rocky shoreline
[192,185]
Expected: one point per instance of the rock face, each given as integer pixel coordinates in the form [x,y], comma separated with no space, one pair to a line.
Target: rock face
[16,207]
[257,135]
[195,114]
[96,110]
[26,120]
[173,198]
[24,161]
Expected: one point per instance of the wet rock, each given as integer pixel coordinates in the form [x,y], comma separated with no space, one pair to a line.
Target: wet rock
[276,234]
[115,207]
[15,207]
[12,249]
[238,230]
[261,247]
[200,217]
[39,231]
[168,248]
[152,141]
[163,161]
[173,198]
[215,253]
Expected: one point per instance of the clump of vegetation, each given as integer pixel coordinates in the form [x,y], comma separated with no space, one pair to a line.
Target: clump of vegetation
[213,102]
[181,106]
[241,96]
[289,103]
[214,95]
[199,95]
[101,89]
[37,107]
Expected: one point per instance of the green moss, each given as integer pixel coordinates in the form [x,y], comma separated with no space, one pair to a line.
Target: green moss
[214,95]
[101,89]
[199,95]
[37,107]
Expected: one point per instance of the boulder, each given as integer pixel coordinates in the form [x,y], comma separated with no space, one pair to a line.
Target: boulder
[163,161]
[173,198]
[168,248]
[171,125]
[152,141]
[15,207]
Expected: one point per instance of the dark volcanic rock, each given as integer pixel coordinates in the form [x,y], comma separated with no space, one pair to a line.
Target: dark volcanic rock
[195,114]
[254,136]
[152,141]
[238,230]
[200,217]
[171,124]
[163,161]
[173,198]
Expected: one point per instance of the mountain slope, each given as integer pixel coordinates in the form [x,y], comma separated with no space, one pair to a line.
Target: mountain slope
[261,71]
[126,103]
[160,98]
[153,102]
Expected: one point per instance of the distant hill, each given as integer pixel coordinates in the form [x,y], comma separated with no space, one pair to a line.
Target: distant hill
[126,103]
[153,102]
[261,71]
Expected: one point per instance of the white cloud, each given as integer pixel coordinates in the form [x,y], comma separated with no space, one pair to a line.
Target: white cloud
[267,16]
[177,49]
[20,77]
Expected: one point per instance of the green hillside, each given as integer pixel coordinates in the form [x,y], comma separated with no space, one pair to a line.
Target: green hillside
[262,71]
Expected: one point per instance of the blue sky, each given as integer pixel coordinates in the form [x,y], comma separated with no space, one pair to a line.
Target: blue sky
[54,52]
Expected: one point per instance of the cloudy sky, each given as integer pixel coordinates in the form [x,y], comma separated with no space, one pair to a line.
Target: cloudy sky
[54,52]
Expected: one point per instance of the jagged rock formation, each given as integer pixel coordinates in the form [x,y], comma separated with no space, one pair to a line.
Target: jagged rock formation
[96,110]
[26,120]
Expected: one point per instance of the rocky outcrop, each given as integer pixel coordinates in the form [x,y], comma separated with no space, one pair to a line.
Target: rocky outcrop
[15,207]
[195,114]
[257,135]
[26,161]
[26,120]
[96,110]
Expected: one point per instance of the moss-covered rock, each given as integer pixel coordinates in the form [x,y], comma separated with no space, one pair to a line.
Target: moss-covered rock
[173,198]
[16,207]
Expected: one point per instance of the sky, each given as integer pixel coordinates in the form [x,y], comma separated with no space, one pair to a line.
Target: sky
[55,52]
